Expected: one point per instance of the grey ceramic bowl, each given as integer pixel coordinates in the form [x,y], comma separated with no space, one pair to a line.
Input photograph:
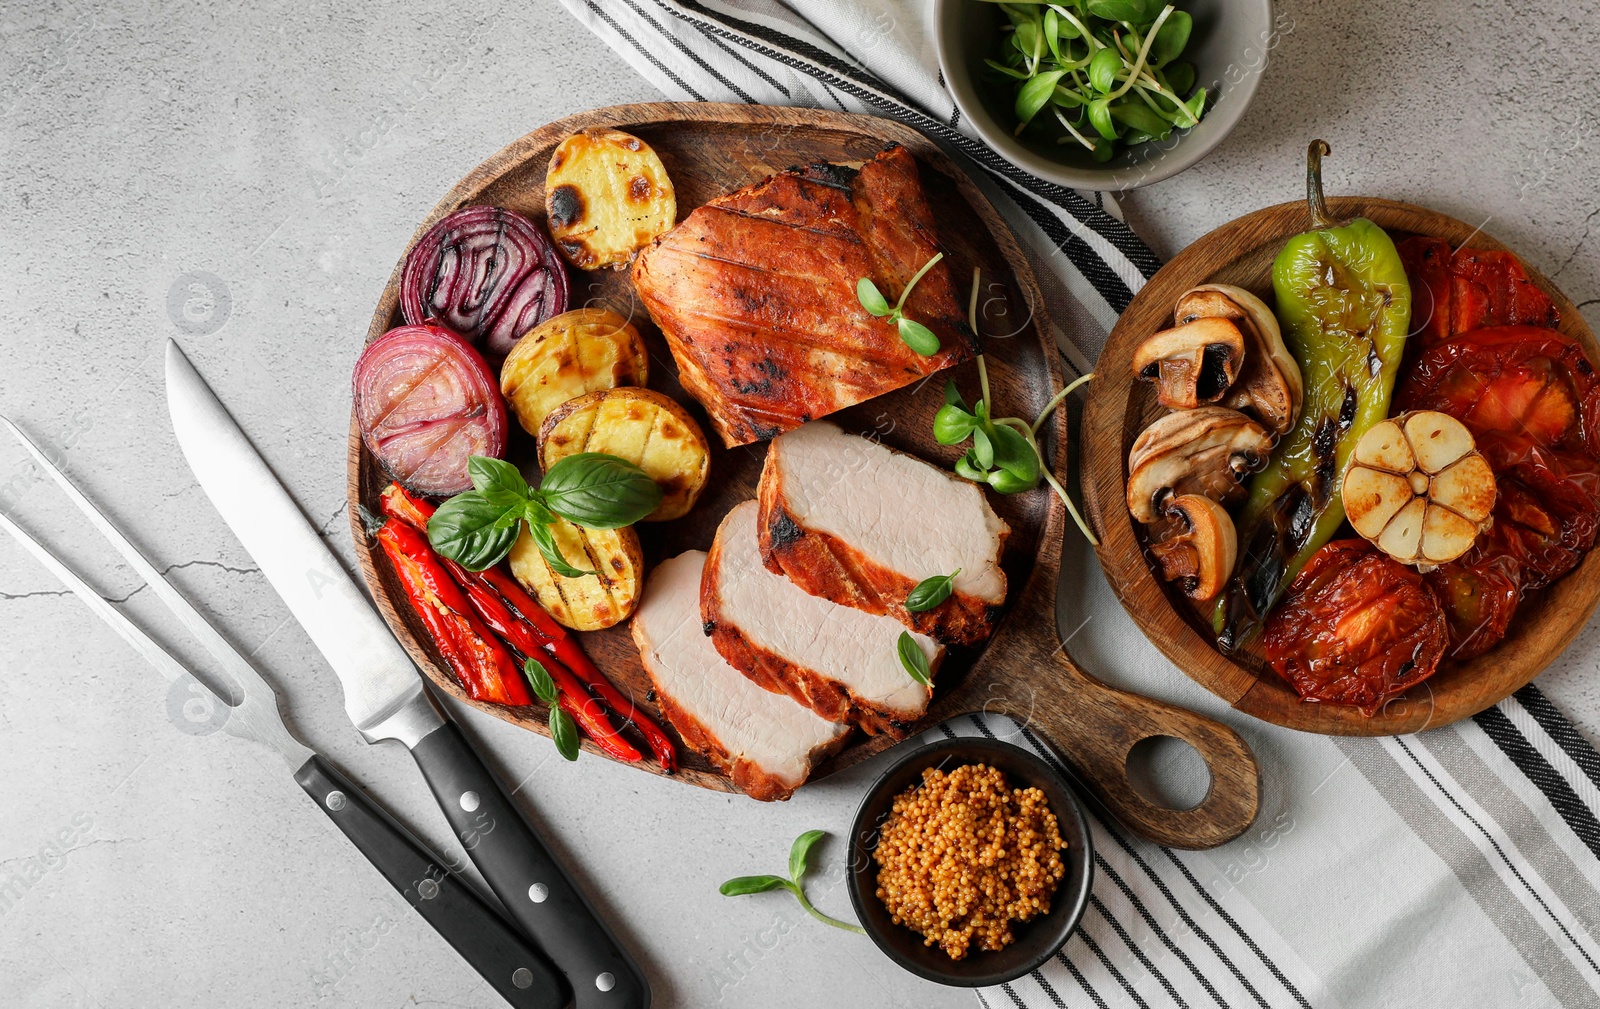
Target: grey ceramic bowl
[1037,940]
[1229,48]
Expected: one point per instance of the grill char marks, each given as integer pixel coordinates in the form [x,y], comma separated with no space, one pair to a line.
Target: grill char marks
[755,292]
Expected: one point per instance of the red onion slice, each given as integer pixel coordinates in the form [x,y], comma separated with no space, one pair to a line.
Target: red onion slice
[426,402]
[487,273]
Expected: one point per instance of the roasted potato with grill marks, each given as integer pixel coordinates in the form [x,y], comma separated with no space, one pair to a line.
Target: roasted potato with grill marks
[588,602]
[608,196]
[648,429]
[566,356]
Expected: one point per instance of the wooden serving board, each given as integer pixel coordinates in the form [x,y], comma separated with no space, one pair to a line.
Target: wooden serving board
[1241,253]
[712,149]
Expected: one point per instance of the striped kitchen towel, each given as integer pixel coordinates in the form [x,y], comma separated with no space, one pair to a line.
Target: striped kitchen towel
[1460,866]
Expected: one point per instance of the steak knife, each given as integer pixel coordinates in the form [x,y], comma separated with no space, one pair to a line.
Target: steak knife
[385,698]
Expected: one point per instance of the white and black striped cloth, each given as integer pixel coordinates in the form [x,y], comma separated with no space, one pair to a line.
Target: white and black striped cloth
[1460,866]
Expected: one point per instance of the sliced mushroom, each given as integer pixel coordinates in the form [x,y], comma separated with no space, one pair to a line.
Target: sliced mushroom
[1208,451]
[1199,555]
[1192,364]
[1269,384]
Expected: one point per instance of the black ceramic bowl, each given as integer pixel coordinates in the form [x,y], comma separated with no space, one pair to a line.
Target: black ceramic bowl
[1037,940]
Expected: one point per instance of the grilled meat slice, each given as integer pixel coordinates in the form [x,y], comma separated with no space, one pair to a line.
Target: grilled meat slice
[838,661]
[756,293]
[764,741]
[848,519]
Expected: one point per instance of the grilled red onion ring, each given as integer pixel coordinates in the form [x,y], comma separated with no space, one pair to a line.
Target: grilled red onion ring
[487,273]
[426,402]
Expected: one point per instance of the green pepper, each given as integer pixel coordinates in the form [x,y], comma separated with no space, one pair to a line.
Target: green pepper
[1345,308]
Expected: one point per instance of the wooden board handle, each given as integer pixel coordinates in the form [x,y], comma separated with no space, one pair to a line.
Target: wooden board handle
[1095,725]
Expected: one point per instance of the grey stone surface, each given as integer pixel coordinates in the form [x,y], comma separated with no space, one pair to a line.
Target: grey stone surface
[243,178]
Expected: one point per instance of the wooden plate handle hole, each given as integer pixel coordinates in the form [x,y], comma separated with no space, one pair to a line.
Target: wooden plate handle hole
[1168,772]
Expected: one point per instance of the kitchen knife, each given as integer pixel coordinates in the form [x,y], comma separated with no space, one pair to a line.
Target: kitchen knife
[495,949]
[385,698]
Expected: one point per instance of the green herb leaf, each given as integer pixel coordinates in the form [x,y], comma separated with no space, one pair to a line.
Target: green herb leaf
[1180,76]
[1131,11]
[564,733]
[952,425]
[1197,104]
[912,658]
[1013,454]
[1026,38]
[599,491]
[544,688]
[739,886]
[918,337]
[545,539]
[1035,94]
[1172,38]
[952,395]
[474,531]
[1103,70]
[982,448]
[489,474]
[967,469]
[1052,32]
[800,851]
[1100,119]
[930,592]
[871,298]
[1140,117]
[1006,482]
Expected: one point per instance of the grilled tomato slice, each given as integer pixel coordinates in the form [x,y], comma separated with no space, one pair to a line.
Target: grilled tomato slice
[1479,593]
[1356,628]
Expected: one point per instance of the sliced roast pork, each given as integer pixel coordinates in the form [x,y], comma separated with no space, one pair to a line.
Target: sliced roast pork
[756,294]
[765,741]
[838,661]
[857,523]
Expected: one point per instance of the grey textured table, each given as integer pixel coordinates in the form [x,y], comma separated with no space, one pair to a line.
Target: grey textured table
[243,180]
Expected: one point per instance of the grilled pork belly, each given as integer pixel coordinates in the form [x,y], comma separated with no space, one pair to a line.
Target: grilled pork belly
[838,661]
[764,741]
[756,293]
[852,521]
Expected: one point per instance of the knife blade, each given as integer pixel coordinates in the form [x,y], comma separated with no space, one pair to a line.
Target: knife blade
[384,697]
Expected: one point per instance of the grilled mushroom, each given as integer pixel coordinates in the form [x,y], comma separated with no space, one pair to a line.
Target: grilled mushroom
[1269,384]
[1207,451]
[1192,364]
[1199,555]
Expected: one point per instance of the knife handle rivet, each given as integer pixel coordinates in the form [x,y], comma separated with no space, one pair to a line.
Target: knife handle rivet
[538,892]
[428,889]
[606,981]
[522,977]
[335,800]
[469,801]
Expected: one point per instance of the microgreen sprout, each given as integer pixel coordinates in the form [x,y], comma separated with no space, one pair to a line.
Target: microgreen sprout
[799,856]
[914,334]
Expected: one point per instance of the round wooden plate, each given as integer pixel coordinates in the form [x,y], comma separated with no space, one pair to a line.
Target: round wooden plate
[1241,253]
[709,150]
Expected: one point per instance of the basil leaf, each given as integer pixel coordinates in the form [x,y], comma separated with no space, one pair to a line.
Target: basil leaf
[953,425]
[491,474]
[800,851]
[1100,119]
[1013,454]
[930,592]
[741,885]
[545,539]
[1103,70]
[599,491]
[918,337]
[539,679]
[1035,94]
[913,660]
[564,733]
[1133,11]
[952,395]
[982,448]
[468,529]
[871,298]
[1174,36]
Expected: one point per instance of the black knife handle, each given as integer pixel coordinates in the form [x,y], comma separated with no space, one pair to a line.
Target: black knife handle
[527,879]
[491,946]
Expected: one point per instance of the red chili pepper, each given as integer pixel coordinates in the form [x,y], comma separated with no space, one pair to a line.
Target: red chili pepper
[485,669]
[529,617]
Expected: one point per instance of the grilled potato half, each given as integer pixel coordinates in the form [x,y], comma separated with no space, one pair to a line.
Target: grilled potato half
[568,355]
[648,429]
[589,602]
[608,196]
